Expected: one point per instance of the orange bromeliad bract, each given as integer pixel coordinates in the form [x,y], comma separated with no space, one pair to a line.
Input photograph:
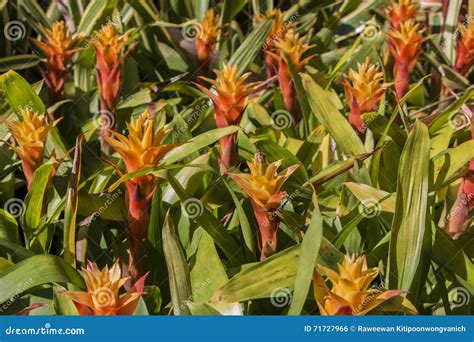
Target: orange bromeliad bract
[229,100]
[401,11]
[207,38]
[263,186]
[278,29]
[405,45]
[59,46]
[30,133]
[351,293]
[465,48]
[293,46]
[102,297]
[364,89]
[143,147]
[109,50]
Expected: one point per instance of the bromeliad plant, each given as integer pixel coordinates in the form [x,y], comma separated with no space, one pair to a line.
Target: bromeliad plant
[209,186]
[143,147]
[400,11]
[263,185]
[30,133]
[465,48]
[229,99]
[207,38]
[102,297]
[60,45]
[363,89]
[110,53]
[291,49]
[351,292]
[278,30]
[405,43]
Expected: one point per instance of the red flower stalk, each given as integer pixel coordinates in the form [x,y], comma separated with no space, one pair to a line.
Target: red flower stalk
[465,48]
[102,296]
[230,98]
[405,45]
[109,49]
[401,11]
[278,30]
[291,46]
[263,186]
[30,133]
[363,90]
[59,46]
[207,38]
[143,147]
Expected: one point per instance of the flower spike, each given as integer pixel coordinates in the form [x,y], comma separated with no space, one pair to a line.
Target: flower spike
[143,147]
[293,46]
[364,89]
[351,293]
[405,45]
[102,296]
[403,10]
[207,38]
[229,100]
[59,47]
[263,186]
[465,48]
[30,133]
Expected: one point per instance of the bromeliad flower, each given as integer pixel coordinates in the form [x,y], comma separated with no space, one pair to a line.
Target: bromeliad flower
[465,48]
[102,297]
[400,11]
[278,29]
[293,47]
[363,89]
[229,99]
[207,38]
[109,49]
[263,186]
[405,45]
[351,293]
[59,46]
[30,133]
[143,147]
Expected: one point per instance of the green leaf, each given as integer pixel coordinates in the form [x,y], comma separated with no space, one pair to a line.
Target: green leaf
[260,279]
[8,227]
[230,9]
[247,232]
[95,14]
[34,271]
[197,143]
[409,222]
[209,223]
[179,279]
[309,253]
[208,273]
[382,200]
[18,62]
[19,93]
[251,46]
[322,105]
[36,196]
[70,210]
